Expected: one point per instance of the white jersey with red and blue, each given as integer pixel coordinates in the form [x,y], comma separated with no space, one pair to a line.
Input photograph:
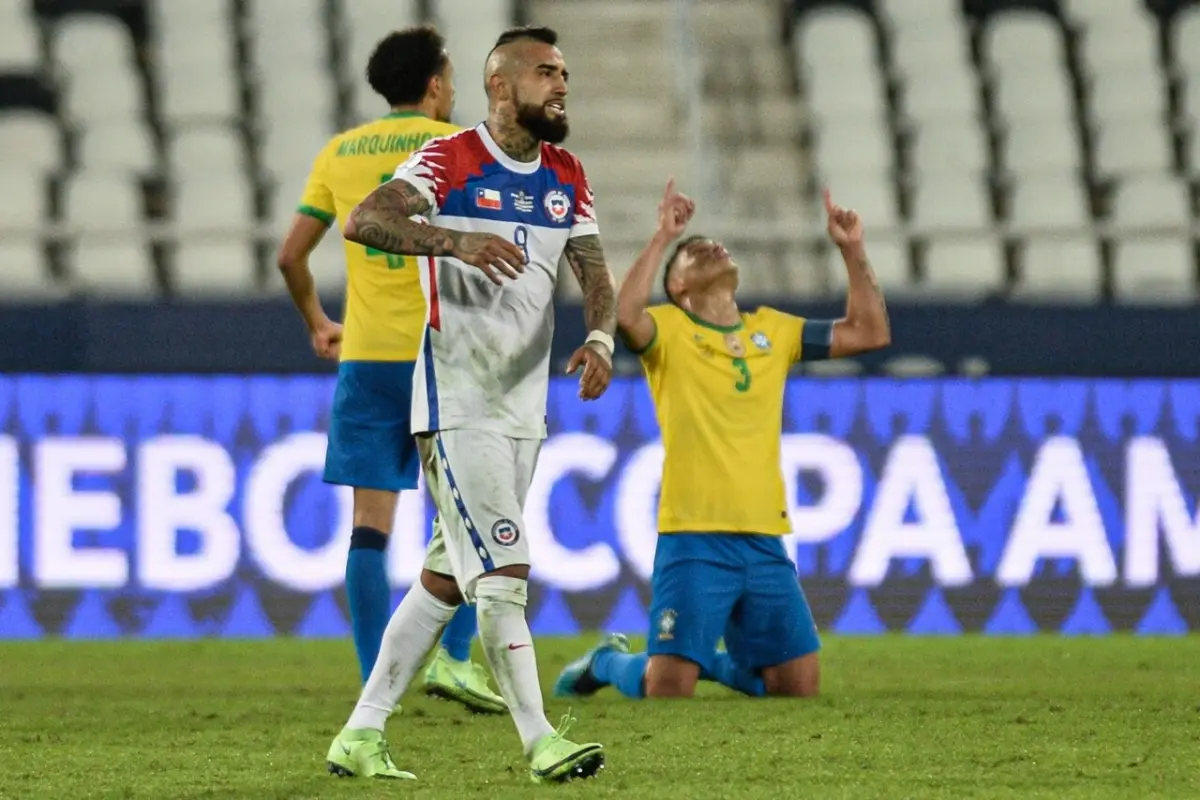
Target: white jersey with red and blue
[484,362]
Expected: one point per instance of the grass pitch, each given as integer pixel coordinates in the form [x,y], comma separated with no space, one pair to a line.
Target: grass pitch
[969,717]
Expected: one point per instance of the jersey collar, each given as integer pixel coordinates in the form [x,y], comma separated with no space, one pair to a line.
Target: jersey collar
[714,326]
[522,167]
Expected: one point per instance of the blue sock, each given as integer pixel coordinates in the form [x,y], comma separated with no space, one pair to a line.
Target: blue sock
[368,594]
[725,672]
[623,670]
[456,639]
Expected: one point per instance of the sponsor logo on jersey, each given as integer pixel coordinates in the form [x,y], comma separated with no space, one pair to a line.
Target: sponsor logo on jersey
[489,199]
[558,205]
[522,202]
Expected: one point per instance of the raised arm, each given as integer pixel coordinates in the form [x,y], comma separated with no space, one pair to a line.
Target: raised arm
[383,221]
[634,322]
[866,326]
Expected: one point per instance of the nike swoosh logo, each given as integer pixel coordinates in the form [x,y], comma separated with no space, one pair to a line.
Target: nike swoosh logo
[345,749]
[517,646]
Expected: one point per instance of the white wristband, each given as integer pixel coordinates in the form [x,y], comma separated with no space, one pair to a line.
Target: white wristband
[603,338]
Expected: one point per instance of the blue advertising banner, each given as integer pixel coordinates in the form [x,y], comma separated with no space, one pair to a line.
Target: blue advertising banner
[193,506]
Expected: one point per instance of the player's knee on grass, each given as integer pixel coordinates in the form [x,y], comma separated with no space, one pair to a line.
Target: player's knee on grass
[800,677]
[671,676]
[375,509]
[443,587]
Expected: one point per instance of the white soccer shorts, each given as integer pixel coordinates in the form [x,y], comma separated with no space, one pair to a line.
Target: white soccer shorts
[478,481]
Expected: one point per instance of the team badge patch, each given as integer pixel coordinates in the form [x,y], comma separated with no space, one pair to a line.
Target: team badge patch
[558,205]
[505,533]
[760,340]
[666,625]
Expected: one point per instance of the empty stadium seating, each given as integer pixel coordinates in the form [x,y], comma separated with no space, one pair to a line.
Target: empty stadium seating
[1031,149]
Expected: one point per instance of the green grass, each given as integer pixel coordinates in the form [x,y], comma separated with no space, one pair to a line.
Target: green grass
[958,718]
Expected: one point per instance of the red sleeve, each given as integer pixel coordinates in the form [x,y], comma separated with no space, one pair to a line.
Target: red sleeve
[432,169]
[569,171]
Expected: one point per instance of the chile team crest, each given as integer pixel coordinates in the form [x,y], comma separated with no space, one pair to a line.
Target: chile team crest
[558,205]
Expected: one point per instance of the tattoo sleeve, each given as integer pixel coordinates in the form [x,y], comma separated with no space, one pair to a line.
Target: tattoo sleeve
[381,221]
[586,257]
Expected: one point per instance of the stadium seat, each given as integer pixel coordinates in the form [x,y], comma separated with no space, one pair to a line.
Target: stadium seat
[19,49]
[96,55]
[1059,269]
[868,192]
[117,146]
[1042,95]
[765,170]
[292,146]
[23,201]
[1133,146]
[31,140]
[1026,40]
[963,269]
[1120,42]
[950,200]
[1151,200]
[114,269]
[854,144]
[101,200]
[929,14]
[949,145]
[292,80]
[195,38]
[925,52]
[953,95]
[471,29]
[206,151]
[836,49]
[1031,146]
[286,189]
[1185,37]
[1048,199]
[25,277]
[214,269]
[889,260]
[1127,95]
[1155,271]
[212,202]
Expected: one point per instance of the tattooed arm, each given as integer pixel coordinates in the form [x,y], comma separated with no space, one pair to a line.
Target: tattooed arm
[382,222]
[586,257]
[866,326]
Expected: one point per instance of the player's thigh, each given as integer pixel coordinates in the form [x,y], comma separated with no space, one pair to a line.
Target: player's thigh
[692,596]
[470,477]
[773,627]
[370,440]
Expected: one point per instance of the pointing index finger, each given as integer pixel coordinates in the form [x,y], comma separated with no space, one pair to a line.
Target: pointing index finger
[670,187]
[827,196]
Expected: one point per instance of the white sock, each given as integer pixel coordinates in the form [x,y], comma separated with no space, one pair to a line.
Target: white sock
[509,648]
[414,627]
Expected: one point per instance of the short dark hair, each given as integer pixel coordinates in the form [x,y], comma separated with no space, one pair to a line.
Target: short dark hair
[675,257]
[404,62]
[538,33]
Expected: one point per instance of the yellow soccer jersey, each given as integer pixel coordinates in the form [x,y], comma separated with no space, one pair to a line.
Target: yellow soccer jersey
[718,395]
[385,310]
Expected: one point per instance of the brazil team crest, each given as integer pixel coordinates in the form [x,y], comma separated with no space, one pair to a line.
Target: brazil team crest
[666,625]
[558,205]
[760,340]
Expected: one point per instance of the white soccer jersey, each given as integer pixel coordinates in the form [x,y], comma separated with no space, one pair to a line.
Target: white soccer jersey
[485,354]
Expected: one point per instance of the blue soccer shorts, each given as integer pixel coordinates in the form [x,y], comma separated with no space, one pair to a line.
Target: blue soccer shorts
[740,587]
[371,445]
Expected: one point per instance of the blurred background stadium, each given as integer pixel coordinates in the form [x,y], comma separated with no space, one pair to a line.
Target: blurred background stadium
[1027,170]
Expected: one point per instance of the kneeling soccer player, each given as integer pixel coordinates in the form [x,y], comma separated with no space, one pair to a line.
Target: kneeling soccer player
[717,375]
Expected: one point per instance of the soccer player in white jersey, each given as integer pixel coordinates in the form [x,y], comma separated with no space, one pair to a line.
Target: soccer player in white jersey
[503,205]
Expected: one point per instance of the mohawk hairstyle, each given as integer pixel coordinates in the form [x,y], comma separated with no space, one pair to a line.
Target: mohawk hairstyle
[538,33]
[404,62]
[683,243]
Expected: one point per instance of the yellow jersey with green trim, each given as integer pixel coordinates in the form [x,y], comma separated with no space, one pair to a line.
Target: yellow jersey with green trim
[385,309]
[718,395]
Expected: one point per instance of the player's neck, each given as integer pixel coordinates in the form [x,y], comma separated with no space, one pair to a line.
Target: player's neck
[411,111]
[715,308]
[514,140]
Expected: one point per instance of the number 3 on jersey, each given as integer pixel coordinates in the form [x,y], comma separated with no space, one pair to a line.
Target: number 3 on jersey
[743,368]
[393,261]
[521,240]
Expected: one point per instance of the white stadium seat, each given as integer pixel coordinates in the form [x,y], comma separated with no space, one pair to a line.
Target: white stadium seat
[1060,269]
[25,277]
[120,269]
[1137,145]
[100,200]
[951,200]
[19,50]
[122,145]
[1048,200]
[29,140]
[963,269]
[96,55]
[222,269]
[1155,271]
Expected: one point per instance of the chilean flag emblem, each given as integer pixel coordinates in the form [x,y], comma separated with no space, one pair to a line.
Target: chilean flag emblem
[489,199]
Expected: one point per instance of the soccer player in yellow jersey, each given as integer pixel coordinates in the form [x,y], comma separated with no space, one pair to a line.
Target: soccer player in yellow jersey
[717,375]
[371,447]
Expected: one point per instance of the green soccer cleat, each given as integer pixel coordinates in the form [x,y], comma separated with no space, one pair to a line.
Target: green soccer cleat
[577,679]
[363,754]
[463,682]
[556,760]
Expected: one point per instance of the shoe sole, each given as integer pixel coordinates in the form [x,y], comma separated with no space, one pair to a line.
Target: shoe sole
[582,768]
[469,701]
[339,771]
